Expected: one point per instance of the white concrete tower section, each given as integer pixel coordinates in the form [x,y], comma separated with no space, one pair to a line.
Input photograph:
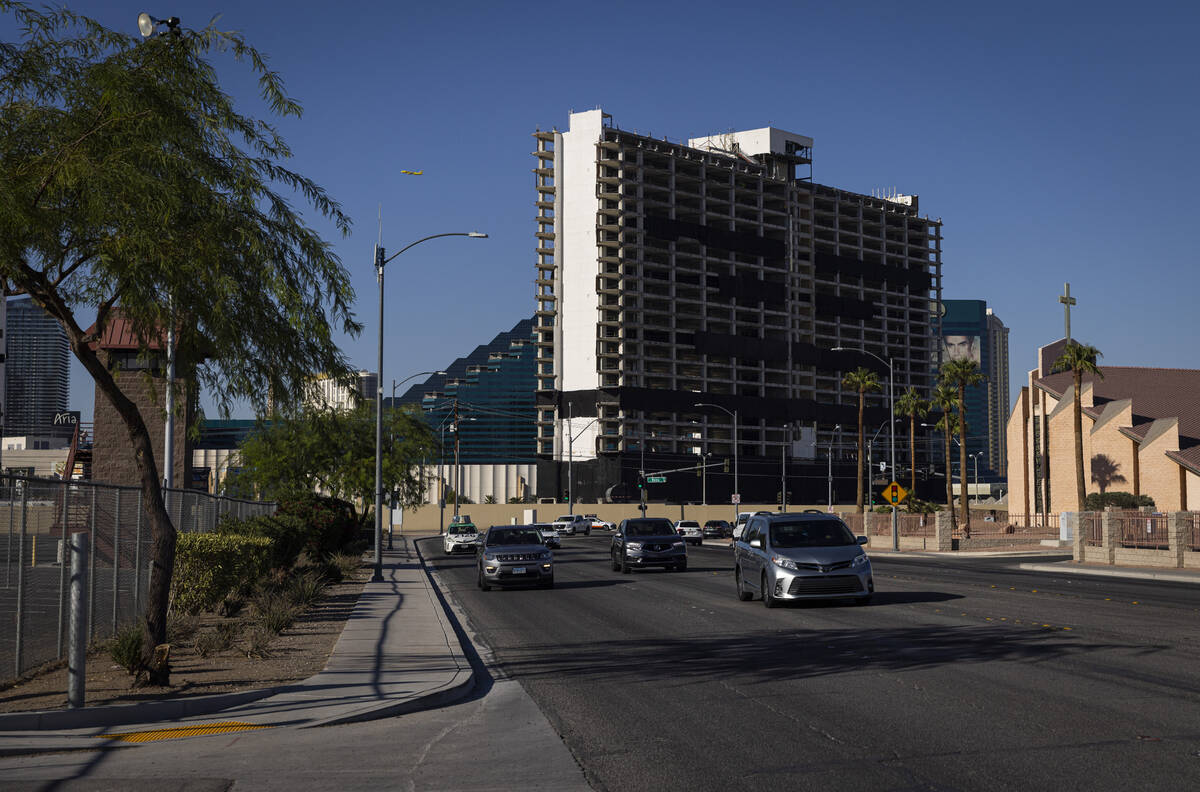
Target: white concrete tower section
[578,302]
[751,142]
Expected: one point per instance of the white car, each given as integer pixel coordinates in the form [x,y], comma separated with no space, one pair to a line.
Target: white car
[571,524]
[690,531]
[600,525]
[460,538]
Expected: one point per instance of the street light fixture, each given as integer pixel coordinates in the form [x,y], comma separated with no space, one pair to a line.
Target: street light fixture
[380,263]
[892,421]
[147,24]
[975,459]
[737,491]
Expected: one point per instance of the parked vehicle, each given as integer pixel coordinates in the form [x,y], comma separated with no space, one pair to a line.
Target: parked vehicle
[460,537]
[549,535]
[690,531]
[717,529]
[646,542]
[514,555]
[571,524]
[801,556]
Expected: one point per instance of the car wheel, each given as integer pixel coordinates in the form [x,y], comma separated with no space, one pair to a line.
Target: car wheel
[743,595]
[625,567]
[616,565]
[482,585]
[587,532]
[768,597]
[547,584]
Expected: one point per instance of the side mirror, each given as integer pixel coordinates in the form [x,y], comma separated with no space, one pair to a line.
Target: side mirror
[863,540]
[756,543]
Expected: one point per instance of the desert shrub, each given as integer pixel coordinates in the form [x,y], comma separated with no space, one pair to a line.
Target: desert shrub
[343,566]
[218,639]
[275,611]
[258,641]
[181,627]
[125,648]
[231,606]
[288,535]
[1099,501]
[209,567]
[329,523]
[305,588]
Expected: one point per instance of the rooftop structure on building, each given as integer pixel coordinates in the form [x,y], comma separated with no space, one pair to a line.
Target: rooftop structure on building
[717,273]
[37,372]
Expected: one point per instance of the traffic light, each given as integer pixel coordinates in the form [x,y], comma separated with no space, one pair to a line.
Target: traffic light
[564,498]
[726,465]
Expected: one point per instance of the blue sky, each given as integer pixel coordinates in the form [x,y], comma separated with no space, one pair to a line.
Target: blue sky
[1055,141]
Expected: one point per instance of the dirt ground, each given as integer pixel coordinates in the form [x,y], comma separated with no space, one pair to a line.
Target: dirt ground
[297,653]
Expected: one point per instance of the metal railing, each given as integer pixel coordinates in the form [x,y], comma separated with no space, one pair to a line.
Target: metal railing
[42,513]
[1193,531]
[1091,524]
[1018,527]
[1141,529]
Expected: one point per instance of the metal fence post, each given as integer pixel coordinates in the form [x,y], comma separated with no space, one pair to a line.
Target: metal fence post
[91,616]
[137,558]
[21,580]
[77,653]
[62,577]
[116,543]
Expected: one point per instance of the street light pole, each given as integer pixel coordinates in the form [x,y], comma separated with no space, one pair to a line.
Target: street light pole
[380,263]
[734,415]
[391,516]
[836,428]
[783,469]
[892,421]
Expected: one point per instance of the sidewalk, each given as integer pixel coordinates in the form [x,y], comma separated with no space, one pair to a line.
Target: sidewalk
[397,653]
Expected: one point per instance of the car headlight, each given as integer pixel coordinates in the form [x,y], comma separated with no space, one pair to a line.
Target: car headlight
[489,556]
[676,544]
[859,561]
[781,561]
[633,545]
[543,556]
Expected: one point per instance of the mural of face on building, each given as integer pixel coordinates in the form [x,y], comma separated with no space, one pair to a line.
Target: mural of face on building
[960,347]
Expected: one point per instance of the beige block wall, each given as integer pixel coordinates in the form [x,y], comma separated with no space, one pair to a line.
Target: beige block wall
[1159,473]
[1063,490]
[1020,457]
[1107,439]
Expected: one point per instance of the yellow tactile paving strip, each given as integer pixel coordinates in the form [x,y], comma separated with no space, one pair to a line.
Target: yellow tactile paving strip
[186,731]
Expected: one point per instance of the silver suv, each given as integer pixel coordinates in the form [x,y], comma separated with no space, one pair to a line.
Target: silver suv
[514,555]
[801,556]
[646,542]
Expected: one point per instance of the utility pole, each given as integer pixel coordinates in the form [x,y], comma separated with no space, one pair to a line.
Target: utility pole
[783,468]
[457,467]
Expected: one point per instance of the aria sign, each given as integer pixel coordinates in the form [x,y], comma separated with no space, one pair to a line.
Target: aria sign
[67,418]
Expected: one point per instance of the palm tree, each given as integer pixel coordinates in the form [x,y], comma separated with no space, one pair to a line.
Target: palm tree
[1079,359]
[945,398]
[911,404]
[962,374]
[862,380]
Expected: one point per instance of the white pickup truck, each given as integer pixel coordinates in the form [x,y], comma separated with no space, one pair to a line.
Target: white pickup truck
[570,524]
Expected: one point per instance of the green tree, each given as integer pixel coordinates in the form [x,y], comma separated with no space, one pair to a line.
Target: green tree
[911,404]
[333,451]
[861,380]
[961,374]
[130,186]
[1079,359]
[945,399]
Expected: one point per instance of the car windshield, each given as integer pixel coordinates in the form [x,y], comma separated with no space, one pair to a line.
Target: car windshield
[461,529]
[513,536]
[810,533]
[649,527]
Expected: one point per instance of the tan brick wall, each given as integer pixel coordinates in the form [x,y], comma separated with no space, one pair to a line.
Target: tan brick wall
[1063,490]
[113,460]
[1019,445]
[1160,475]
[1107,439]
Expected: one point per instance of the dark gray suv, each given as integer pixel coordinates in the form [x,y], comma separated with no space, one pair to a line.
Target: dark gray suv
[646,542]
[514,555]
[801,556]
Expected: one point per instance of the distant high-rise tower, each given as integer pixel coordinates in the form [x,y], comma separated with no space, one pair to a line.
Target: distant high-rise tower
[970,330]
[37,375]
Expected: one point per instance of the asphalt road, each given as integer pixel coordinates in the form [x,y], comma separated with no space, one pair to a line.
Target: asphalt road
[962,674]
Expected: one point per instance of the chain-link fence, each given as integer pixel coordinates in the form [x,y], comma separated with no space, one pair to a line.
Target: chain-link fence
[40,515]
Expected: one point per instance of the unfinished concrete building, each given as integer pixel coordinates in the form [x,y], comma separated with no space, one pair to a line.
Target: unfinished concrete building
[714,273]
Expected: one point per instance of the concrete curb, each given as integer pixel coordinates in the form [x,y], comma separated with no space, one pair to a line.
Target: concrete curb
[122,714]
[1148,574]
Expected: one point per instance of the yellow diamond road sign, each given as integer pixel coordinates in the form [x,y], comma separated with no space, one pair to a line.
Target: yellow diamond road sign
[894,493]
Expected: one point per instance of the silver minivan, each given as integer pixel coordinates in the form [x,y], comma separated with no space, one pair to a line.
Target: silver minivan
[801,556]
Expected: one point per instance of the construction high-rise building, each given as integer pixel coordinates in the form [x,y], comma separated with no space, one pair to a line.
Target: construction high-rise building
[37,373]
[690,297]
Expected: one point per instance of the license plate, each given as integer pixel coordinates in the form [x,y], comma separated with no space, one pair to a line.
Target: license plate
[518,570]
